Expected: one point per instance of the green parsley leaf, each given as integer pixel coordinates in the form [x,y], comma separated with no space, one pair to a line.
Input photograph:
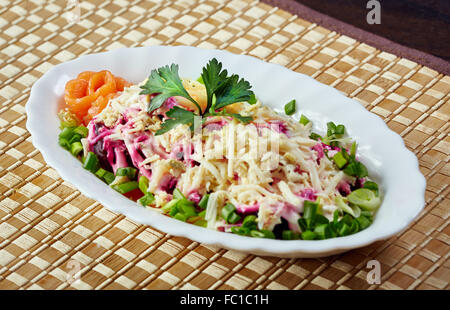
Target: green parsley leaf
[167,83]
[177,116]
[227,89]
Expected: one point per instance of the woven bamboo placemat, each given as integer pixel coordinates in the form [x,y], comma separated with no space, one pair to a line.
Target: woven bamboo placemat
[46,224]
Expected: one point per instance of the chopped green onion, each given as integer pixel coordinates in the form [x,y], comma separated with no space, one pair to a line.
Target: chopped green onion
[268,234]
[188,210]
[174,209]
[167,208]
[315,136]
[363,222]
[353,150]
[339,160]
[345,230]
[240,230]
[289,108]
[340,130]
[143,184]
[289,235]
[372,186]
[109,177]
[147,199]
[66,133]
[367,214]
[320,219]
[125,187]
[82,131]
[331,129]
[257,234]
[322,231]
[227,210]
[64,143]
[309,212]
[302,223]
[204,201]
[91,162]
[249,220]
[364,198]
[177,194]
[180,217]
[335,216]
[304,120]
[75,138]
[100,173]
[127,172]
[356,169]
[201,223]
[355,227]
[308,235]
[76,148]
[202,214]
[233,218]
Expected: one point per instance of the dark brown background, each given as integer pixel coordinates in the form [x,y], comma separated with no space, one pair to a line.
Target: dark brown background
[419,24]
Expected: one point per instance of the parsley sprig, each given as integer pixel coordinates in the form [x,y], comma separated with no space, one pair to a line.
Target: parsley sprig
[221,90]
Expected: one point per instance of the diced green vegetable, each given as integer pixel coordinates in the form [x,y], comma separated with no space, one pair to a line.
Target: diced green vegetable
[202,214]
[268,234]
[339,160]
[257,234]
[304,120]
[91,162]
[125,187]
[129,172]
[82,131]
[143,184]
[363,222]
[177,194]
[356,169]
[109,177]
[233,218]
[365,199]
[180,217]
[244,231]
[201,223]
[76,148]
[188,210]
[372,186]
[322,231]
[147,199]
[249,220]
[308,235]
[227,210]
[100,173]
[315,136]
[204,201]
[289,235]
[75,138]
[340,130]
[173,208]
[66,133]
[289,108]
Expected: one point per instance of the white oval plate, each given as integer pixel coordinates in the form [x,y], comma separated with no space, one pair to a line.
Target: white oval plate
[383,151]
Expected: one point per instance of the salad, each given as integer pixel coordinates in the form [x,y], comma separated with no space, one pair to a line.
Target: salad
[209,153]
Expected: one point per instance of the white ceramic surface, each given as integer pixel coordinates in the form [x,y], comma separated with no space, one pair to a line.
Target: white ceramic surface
[380,149]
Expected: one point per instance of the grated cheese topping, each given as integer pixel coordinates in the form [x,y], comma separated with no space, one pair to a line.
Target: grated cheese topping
[269,162]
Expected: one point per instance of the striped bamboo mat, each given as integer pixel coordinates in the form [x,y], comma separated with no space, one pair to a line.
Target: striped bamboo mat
[48,229]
